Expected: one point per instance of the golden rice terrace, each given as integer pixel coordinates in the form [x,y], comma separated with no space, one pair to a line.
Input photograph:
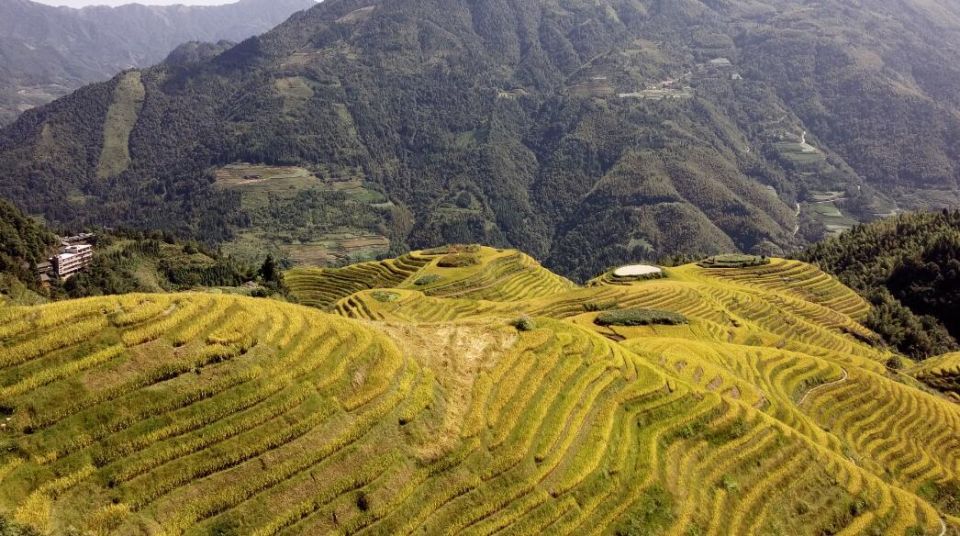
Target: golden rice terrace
[406,401]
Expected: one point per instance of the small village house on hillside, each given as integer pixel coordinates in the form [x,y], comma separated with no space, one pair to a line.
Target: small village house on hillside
[72,259]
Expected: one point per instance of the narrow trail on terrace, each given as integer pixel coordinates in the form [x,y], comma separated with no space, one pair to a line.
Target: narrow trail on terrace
[817,388]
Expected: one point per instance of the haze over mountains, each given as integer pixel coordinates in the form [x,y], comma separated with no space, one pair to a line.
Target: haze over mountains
[587,134]
[46,52]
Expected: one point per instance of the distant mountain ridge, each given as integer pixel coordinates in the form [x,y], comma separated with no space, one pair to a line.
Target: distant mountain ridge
[47,51]
[588,134]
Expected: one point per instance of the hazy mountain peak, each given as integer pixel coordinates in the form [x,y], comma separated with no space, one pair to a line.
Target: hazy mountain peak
[46,51]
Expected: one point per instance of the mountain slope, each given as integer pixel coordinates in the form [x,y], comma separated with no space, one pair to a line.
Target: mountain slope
[767,411]
[23,245]
[587,134]
[122,262]
[907,266]
[46,52]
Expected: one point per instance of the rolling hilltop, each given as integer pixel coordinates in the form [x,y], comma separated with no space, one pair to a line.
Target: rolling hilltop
[470,390]
[586,133]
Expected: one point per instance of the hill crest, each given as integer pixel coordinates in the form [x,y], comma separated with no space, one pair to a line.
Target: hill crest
[767,409]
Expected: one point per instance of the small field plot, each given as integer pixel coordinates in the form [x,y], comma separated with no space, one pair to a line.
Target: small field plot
[256,181]
[796,153]
[636,270]
[659,94]
[733,260]
[799,152]
[325,249]
[337,247]
[831,216]
[296,215]
[631,273]
[594,86]
[826,196]
[294,90]
[942,373]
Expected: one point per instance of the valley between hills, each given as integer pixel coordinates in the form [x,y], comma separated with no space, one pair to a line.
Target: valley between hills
[467,389]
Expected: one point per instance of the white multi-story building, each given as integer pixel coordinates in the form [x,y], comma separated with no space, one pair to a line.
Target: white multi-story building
[72,259]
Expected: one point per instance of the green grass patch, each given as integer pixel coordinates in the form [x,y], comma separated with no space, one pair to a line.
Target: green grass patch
[735,260]
[458,260]
[453,248]
[121,117]
[652,514]
[385,297]
[428,279]
[639,317]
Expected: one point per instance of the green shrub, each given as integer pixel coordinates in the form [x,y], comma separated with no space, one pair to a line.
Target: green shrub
[363,503]
[652,514]
[735,260]
[458,260]
[593,307]
[945,494]
[453,248]
[427,280]
[524,323]
[729,483]
[895,363]
[9,528]
[643,277]
[382,296]
[639,317]
[260,292]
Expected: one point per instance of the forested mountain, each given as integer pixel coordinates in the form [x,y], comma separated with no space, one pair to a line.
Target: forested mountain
[46,52]
[585,133]
[123,261]
[23,244]
[909,268]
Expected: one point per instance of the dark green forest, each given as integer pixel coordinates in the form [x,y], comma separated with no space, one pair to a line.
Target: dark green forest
[23,244]
[138,262]
[908,267]
[124,261]
[589,136]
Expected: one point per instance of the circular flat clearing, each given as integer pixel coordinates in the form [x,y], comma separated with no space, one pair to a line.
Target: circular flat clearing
[634,270]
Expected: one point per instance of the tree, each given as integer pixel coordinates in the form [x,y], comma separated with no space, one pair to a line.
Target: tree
[269,271]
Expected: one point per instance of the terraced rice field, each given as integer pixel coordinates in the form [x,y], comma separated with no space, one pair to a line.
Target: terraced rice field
[941,373]
[503,275]
[417,408]
[322,287]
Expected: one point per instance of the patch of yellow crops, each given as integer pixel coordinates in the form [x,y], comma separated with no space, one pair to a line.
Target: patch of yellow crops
[770,411]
